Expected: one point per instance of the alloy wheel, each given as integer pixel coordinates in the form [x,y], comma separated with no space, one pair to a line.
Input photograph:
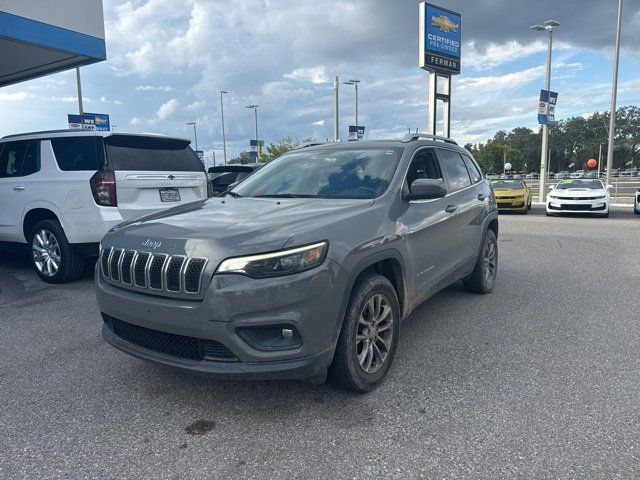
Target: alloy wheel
[490,263]
[374,334]
[46,253]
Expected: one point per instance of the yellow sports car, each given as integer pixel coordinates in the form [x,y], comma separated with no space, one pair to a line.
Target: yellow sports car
[512,195]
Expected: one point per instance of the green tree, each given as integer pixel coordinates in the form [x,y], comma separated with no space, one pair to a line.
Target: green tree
[274,150]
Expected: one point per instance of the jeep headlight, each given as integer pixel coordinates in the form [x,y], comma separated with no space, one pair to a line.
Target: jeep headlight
[276,264]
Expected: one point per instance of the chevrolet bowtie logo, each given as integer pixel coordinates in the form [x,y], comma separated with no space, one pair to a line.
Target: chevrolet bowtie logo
[171,177]
[444,24]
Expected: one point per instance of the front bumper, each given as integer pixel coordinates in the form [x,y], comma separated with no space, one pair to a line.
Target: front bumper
[516,204]
[307,303]
[559,205]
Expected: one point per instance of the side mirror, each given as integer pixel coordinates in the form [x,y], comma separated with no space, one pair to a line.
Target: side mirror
[426,188]
[610,188]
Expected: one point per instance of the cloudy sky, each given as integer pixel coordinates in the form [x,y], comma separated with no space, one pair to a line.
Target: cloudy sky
[167,60]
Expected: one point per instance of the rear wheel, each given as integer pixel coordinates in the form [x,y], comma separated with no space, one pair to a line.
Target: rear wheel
[483,277]
[369,336]
[52,257]
[636,211]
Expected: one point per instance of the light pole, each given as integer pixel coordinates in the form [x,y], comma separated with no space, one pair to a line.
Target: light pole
[336,126]
[224,139]
[255,115]
[355,84]
[614,93]
[549,25]
[195,133]
[80,109]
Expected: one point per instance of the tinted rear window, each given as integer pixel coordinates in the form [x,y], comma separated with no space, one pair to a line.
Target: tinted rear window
[77,153]
[148,153]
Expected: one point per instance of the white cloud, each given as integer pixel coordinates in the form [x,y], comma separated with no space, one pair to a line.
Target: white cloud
[14,96]
[495,54]
[154,88]
[167,109]
[320,123]
[315,75]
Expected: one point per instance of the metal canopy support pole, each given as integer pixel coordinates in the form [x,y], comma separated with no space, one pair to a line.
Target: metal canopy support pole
[80,109]
[445,97]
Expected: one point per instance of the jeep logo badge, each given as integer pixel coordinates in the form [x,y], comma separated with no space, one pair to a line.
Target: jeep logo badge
[153,244]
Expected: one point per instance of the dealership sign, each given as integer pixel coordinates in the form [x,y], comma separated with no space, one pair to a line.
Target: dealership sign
[440,39]
[547,107]
[355,133]
[89,121]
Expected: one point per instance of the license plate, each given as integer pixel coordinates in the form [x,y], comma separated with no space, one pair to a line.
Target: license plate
[170,195]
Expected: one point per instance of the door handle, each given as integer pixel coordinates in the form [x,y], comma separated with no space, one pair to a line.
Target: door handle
[451,208]
[19,187]
[481,196]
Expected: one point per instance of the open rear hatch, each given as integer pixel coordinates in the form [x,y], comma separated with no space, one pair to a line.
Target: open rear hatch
[153,173]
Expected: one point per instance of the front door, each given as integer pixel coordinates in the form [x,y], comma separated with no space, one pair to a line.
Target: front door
[427,227]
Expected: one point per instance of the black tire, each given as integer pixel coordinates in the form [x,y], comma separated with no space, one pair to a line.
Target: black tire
[345,370]
[529,206]
[549,214]
[636,211]
[480,281]
[605,215]
[71,265]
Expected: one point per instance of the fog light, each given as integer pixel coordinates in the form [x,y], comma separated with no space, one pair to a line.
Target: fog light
[271,337]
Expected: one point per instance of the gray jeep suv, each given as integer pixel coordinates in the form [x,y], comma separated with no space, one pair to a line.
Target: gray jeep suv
[306,267]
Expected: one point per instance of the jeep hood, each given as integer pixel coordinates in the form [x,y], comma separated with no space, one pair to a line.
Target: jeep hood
[224,227]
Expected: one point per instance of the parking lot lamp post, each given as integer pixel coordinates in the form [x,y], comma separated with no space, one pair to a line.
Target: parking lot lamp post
[255,115]
[224,139]
[355,84]
[195,133]
[614,92]
[549,25]
[336,115]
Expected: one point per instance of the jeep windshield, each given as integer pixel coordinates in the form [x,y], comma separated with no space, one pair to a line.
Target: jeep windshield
[326,173]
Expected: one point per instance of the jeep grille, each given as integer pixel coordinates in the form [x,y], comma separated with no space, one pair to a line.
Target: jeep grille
[152,272]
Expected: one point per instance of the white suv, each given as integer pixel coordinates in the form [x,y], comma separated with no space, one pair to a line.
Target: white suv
[61,191]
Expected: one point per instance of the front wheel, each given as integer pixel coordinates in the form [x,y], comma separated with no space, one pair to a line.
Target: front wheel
[483,277]
[369,336]
[52,257]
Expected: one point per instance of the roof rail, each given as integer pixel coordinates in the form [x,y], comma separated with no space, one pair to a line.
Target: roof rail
[308,144]
[410,137]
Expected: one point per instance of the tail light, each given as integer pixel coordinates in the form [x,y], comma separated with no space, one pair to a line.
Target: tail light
[103,187]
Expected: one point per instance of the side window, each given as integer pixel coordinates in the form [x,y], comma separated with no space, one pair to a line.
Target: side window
[77,153]
[423,165]
[456,170]
[31,163]
[11,158]
[476,176]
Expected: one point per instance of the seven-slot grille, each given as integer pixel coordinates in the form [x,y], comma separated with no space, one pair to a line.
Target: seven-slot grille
[152,271]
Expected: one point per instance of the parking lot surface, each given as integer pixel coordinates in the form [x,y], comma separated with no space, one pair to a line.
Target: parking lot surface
[540,379]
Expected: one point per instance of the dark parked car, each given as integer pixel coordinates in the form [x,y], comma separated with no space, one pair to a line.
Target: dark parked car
[306,267]
[223,176]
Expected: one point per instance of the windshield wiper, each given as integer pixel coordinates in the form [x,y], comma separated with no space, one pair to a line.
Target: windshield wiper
[232,193]
[287,195]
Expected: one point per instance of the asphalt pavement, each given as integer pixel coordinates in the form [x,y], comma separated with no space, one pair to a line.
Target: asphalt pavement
[540,379]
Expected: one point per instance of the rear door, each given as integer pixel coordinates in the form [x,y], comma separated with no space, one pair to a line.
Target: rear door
[153,173]
[464,206]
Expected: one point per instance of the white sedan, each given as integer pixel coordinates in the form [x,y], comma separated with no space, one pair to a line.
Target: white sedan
[579,196]
[636,203]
